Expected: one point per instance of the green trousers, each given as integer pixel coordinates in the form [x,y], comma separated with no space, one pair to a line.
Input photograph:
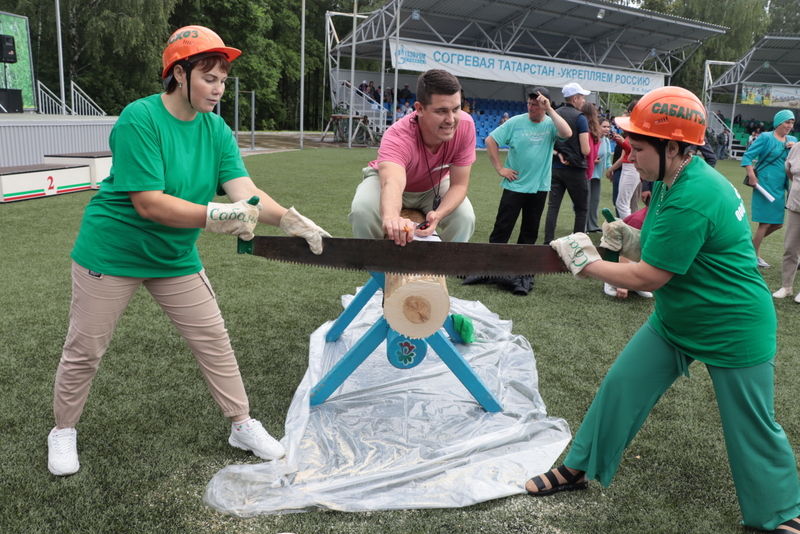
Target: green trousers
[762,461]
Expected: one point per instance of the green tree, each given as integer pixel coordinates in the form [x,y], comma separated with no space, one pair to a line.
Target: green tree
[746,19]
[784,17]
[116,47]
[268,33]
[110,48]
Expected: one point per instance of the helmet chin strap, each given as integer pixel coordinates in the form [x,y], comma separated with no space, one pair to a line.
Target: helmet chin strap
[662,159]
[187,69]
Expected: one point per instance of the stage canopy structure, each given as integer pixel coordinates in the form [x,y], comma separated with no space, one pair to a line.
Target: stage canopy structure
[765,78]
[773,61]
[604,46]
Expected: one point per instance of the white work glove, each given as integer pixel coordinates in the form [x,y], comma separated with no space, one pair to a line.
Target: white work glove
[237,218]
[622,238]
[576,251]
[292,223]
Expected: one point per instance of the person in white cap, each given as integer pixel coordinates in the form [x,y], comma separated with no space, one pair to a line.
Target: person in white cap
[569,163]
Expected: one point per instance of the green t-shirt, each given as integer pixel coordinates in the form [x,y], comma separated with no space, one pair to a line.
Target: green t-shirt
[531,152]
[716,308]
[154,151]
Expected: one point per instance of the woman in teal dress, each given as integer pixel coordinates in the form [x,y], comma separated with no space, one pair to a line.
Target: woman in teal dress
[769,152]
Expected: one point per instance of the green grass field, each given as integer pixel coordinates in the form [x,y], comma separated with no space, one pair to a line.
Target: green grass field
[151,437]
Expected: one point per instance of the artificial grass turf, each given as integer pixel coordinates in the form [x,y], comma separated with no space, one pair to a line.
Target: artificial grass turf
[151,437]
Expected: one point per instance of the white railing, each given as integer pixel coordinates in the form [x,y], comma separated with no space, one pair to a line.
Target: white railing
[363,106]
[82,104]
[715,126]
[49,103]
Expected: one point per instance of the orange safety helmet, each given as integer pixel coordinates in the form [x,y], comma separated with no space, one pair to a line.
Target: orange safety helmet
[190,41]
[669,112]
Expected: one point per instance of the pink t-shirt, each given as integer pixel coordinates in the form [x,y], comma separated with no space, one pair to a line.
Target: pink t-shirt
[402,144]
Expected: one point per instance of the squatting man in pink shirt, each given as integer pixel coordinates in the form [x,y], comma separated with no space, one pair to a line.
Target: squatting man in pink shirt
[424,162]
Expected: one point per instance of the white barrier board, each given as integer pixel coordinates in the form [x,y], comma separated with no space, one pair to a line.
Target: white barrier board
[99,165]
[34,181]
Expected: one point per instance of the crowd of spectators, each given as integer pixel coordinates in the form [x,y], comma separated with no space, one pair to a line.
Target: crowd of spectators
[369,89]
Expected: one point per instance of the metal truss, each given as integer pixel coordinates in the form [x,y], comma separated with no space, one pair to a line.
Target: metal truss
[735,74]
[513,36]
[537,29]
[742,71]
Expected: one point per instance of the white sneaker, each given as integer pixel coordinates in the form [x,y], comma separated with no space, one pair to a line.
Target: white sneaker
[609,290]
[250,436]
[797,298]
[644,294]
[762,263]
[62,451]
[782,293]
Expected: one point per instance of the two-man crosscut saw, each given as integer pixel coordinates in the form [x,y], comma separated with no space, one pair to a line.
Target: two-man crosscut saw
[421,257]
[416,257]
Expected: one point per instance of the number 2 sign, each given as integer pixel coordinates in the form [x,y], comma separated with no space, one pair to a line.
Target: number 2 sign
[50,186]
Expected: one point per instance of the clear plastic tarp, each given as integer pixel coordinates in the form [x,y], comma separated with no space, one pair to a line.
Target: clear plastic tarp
[393,438]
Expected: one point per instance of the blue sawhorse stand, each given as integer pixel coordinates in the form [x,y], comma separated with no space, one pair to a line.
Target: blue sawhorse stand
[403,352]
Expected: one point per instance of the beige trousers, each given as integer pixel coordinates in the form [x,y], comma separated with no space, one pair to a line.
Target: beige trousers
[99,300]
[365,210]
[791,248]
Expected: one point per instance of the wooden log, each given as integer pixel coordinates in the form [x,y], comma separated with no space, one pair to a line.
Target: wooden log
[415,215]
[415,305]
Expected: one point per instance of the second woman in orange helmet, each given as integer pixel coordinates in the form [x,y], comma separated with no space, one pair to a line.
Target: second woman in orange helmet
[171,156]
[711,305]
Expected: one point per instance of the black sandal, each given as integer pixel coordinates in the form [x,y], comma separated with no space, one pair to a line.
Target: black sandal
[573,482]
[790,524]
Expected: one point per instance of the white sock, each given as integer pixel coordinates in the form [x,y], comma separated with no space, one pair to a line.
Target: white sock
[239,424]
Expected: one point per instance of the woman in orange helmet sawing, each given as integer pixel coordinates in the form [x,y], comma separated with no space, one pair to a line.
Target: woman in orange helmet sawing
[711,306]
[170,157]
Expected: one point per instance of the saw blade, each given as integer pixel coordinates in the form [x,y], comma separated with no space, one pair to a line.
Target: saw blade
[416,257]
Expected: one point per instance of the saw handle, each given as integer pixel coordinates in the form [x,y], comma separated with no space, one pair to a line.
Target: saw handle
[242,246]
[609,255]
